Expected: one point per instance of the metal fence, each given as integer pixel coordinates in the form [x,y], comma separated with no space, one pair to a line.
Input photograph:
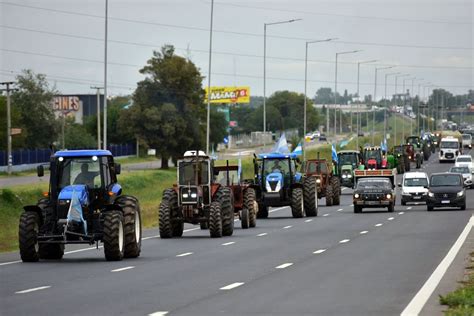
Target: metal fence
[34,156]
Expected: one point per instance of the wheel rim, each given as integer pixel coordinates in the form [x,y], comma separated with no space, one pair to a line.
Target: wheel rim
[120,237]
[137,227]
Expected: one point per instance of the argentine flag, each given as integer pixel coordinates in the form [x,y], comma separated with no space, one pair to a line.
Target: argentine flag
[74,213]
[334,154]
[298,150]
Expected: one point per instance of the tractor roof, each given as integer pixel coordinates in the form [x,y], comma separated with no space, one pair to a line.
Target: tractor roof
[348,152]
[82,153]
[277,156]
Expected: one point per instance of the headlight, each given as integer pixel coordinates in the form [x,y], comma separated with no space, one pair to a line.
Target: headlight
[193,195]
[349,175]
[185,195]
[344,176]
[356,195]
[389,196]
[460,193]
[430,194]
[318,180]
[409,157]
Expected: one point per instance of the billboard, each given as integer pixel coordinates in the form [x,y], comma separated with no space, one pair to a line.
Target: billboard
[68,106]
[229,94]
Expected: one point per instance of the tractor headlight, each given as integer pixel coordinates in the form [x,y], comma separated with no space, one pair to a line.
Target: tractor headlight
[430,194]
[193,195]
[344,176]
[356,195]
[185,195]
[409,157]
[389,196]
[318,180]
[349,175]
[460,193]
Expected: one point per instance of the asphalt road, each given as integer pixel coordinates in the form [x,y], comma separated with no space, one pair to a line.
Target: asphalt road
[338,263]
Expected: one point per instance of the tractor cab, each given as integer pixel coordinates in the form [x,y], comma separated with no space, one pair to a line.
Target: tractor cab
[373,158]
[278,172]
[416,141]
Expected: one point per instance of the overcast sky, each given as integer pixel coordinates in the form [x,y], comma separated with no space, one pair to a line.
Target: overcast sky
[427,39]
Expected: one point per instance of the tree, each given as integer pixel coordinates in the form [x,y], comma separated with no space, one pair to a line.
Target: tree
[33,102]
[218,128]
[76,136]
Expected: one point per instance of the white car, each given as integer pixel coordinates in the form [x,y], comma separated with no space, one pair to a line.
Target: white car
[465,161]
[466,140]
[414,187]
[466,174]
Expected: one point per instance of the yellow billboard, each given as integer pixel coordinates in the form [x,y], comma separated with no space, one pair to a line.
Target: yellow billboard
[229,94]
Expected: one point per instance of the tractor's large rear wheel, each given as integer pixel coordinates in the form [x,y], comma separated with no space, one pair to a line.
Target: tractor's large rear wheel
[132,226]
[215,220]
[250,203]
[297,202]
[28,236]
[169,203]
[336,190]
[114,237]
[225,198]
[310,196]
[329,194]
[244,218]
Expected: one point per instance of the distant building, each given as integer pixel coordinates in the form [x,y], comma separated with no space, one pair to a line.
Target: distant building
[77,106]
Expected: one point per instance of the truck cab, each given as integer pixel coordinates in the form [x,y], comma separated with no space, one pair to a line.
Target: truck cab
[449,149]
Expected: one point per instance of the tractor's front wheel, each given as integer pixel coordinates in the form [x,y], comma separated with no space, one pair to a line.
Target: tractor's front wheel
[215,220]
[297,203]
[114,237]
[329,194]
[224,197]
[169,202]
[250,202]
[28,236]
[336,190]
[310,197]
[262,211]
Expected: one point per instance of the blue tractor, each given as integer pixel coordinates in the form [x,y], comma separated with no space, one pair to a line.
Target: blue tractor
[84,205]
[278,183]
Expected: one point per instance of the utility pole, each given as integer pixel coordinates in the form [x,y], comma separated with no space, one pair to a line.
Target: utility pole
[98,115]
[105,72]
[9,124]
[209,81]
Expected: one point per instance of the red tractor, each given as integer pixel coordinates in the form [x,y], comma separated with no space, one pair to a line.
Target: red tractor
[328,184]
[374,159]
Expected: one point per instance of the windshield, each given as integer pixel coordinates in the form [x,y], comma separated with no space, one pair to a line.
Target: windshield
[453,145]
[313,167]
[373,154]
[460,170]
[466,136]
[81,170]
[445,180]
[189,170]
[464,159]
[373,184]
[276,165]
[233,177]
[416,182]
[413,140]
[348,159]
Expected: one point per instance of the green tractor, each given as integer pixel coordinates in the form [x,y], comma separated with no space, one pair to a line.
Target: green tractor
[348,161]
[419,144]
[398,158]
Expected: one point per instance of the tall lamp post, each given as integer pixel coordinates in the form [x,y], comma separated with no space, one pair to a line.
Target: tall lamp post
[404,104]
[335,94]
[265,70]
[396,94]
[358,96]
[105,73]
[374,100]
[385,105]
[209,81]
[305,89]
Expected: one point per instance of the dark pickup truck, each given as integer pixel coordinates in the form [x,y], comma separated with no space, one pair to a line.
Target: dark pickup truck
[374,193]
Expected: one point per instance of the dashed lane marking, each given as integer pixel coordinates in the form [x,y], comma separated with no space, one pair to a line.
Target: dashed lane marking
[232,286]
[391,218]
[339,210]
[317,252]
[308,220]
[344,241]
[33,289]
[409,208]
[327,214]
[364,232]
[401,213]
[122,269]
[184,254]
[286,227]
[160,313]
[277,209]
[228,243]
[283,266]
[262,234]
[378,225]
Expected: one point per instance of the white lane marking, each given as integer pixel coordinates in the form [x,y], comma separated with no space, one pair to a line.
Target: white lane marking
[122,269]
[262,234]
[344,241]
[409,208]
[308,220]
[160,313]
[351,205]
[232,286]
[34,289]
[150,237]
[11,262]
[343,189]
[228,243]
[419,300]
[327,214]
[378,225]
[317,252]
[401,213]
[286,227]
[364,232]
[190,230]
[184,254]
[277,209]
[391,218]
[339,210]
[283,266]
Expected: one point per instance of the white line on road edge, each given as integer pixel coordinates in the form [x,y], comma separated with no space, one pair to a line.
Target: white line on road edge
[344,241]
[262,234]
[11,262]
[401,213]
[343,189]
[391,218]
[34,289]
[378,225]
[327,214]
[409,208]
[277,209]
[317,252]
[308,220]
[339,210]
[232,286]
[228,243]
[184,254]
[283,266]
[419,300]
[286,227]
[158,314]
[364,232]
[122,269]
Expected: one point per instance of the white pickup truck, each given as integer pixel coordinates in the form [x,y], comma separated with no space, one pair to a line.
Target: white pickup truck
[466,140]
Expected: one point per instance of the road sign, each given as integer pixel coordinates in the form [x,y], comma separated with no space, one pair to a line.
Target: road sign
[15,131]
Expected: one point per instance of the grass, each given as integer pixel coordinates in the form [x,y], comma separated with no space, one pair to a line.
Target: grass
[461,301]
[146,185]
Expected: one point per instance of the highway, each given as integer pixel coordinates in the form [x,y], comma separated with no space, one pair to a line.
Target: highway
[338,263]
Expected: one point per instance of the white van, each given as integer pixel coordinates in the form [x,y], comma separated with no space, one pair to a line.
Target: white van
[466,140]
[449,149]
[414,187]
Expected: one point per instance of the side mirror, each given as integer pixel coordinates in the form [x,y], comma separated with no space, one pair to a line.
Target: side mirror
[40,170]
[399,185]
[118,168]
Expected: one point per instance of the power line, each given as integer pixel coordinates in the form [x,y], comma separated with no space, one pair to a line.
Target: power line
[230,32]
[218,52]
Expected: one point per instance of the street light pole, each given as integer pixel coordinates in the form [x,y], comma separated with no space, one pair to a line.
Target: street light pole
[265,71]
[335,95]
[98,115]
[9,125]
[404,104]
[374,101]
[209,81]
[105,72]
[396,94]
[305,89]
[358,96]
[385,106]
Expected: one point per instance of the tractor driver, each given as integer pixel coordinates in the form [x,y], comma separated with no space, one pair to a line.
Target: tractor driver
[277,167]
[86,177]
